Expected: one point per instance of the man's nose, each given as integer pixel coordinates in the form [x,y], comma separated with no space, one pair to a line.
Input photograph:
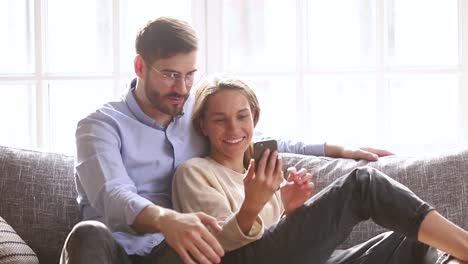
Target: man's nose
[181,86]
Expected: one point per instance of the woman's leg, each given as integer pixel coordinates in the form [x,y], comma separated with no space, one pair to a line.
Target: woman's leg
[312,232]
[389,248]
[439,232]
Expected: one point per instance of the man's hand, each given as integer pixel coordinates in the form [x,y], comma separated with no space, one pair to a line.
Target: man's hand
[370,154]
[297,189]
[188,236]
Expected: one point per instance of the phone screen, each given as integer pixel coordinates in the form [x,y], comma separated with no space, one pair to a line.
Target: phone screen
[261,146]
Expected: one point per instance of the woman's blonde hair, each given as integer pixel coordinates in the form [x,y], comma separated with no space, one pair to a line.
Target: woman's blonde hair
[211,86]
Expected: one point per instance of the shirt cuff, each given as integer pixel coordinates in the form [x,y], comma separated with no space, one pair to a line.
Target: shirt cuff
[134,207]
[315,149]
[121,220]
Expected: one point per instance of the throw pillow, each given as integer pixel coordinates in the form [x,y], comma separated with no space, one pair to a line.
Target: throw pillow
[13,249]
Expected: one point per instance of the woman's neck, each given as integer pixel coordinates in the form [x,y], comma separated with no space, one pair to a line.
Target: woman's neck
[235,164]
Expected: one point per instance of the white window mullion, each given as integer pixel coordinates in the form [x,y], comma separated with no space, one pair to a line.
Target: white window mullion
[116,71]
[214,37]
[301,68]
[463,53]
[199,17]
[381,77]
[42,109]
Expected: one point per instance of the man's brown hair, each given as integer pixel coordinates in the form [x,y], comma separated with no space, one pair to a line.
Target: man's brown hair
[165,37]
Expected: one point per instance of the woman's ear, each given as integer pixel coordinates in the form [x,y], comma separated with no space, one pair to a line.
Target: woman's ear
[202,128]
[138,65]
[256,116]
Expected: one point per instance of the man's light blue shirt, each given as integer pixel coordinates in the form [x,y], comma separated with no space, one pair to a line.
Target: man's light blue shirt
[125,162]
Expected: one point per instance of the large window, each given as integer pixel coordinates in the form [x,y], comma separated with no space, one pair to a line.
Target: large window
[358,72]
[63,59]
[388,73]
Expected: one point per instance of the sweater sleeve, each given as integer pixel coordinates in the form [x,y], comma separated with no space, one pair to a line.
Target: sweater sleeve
[195,188]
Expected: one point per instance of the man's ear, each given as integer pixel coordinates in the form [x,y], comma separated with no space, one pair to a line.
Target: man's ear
[139,65]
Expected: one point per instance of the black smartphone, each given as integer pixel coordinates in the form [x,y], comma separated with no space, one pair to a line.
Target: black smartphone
[261,146]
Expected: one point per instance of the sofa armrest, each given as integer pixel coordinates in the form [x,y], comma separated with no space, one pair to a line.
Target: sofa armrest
[441,180]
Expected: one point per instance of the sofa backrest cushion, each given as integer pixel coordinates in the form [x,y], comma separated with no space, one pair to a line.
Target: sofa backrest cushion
[440,179]
[38,198]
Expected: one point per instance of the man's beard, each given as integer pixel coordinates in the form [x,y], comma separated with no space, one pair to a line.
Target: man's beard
[156,99]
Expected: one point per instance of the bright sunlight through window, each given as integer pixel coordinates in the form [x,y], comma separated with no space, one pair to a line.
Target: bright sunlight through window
[382,73]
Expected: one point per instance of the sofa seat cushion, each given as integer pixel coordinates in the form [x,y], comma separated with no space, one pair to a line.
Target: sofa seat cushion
[13,249]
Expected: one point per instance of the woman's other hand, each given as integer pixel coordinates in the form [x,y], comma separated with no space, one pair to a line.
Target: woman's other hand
[297,189]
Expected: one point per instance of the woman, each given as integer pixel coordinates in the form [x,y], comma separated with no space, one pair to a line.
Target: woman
[249,204]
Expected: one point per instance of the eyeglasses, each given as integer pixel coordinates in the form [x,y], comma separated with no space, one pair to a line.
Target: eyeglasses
[170,77]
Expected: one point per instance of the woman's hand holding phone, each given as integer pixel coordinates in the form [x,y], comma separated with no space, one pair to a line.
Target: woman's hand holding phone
[260,183]
[261,146]
[263,179]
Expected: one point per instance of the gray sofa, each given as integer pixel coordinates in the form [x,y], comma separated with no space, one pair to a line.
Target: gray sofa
[38,196]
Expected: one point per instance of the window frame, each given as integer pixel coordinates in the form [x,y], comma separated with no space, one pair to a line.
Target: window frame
[207,19]
[382,72]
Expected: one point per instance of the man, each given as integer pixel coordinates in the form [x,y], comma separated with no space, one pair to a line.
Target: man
[127,152]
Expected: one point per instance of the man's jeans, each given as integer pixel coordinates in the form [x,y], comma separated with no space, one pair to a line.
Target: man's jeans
[309,235]
[91,242]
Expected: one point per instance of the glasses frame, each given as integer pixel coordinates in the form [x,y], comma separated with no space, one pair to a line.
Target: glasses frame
[172,77]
